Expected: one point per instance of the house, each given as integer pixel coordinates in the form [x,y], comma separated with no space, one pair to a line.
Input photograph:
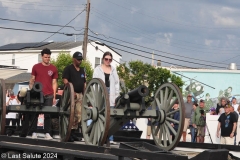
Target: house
[25,55]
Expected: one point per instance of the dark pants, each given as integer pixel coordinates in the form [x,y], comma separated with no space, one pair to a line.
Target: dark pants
[48,101]
[14,121]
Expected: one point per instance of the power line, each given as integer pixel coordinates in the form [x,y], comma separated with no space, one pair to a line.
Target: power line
[152,48]
[203,27]
[32,30]
[46,24]
[27,9]
[157,54]
[63,26]
[165,56]
[101,50]
[39,4]
[148,57]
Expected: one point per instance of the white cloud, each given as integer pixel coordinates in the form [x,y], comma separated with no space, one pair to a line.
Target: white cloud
[208,42]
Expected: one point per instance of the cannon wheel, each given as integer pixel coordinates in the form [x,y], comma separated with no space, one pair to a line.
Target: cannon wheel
[164,100]
[2,107]
[66,117]
[96,95]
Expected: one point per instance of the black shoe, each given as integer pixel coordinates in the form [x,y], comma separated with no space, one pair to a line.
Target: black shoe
[70,139]
[75,137]
[22,135]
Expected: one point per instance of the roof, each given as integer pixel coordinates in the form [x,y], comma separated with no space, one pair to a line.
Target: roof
[20,46]
[49,45]
[22,77]
[6,73]
[60,45]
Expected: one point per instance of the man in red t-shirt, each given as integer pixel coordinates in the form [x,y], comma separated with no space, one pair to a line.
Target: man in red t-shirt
[46,74]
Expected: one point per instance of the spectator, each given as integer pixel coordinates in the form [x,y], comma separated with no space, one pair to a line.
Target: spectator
[237,116]
[176,116]
[213,111]
[238,110]
[227,125]
[109,75]
[192,129]
[12,116]
[234,103]
[222,104]
[188,111]
[199,121]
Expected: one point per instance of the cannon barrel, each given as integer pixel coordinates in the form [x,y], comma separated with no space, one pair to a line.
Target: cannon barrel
[137,94]
[37,87]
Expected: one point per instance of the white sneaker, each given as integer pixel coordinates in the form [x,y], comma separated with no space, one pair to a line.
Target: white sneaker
[112,142]
[47,136]
[34,135]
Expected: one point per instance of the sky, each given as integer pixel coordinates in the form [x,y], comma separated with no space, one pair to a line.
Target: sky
[195,34]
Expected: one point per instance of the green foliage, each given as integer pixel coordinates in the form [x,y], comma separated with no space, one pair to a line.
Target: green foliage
[65,59]
[139,73]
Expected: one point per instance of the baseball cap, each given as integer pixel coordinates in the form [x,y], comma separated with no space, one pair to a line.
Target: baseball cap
[212,109]
[78,55]
[202,100]
[233,98]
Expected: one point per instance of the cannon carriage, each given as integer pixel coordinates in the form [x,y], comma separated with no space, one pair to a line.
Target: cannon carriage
[105,121]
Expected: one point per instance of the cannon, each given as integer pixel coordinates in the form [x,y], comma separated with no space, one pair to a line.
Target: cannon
[106,121]
[33,103]
[35,96]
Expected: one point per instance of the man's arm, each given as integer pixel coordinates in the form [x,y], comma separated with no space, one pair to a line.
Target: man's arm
[234,127]
[31,81]
[54,85]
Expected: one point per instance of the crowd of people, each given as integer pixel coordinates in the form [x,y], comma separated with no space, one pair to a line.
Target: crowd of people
[228,112]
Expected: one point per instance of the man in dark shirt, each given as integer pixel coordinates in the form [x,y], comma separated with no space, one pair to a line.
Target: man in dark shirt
[76,75]
[222,103]
[227,124]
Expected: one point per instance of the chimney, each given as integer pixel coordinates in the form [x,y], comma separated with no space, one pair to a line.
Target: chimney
[232,66]
[158,63]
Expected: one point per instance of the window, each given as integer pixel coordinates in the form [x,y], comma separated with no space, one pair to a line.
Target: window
[13,59]
[97,61]
[39,58]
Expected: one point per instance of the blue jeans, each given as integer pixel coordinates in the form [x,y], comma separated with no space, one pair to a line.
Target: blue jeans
[192,130]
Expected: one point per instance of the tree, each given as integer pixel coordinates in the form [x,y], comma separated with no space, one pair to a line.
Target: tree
[65,59]
[139,73]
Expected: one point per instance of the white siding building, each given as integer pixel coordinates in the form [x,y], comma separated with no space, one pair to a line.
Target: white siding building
[25,55]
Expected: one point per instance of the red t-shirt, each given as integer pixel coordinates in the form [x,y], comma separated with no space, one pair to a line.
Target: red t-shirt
[45,75]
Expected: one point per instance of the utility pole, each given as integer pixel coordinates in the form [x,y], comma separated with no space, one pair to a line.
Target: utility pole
[85,38]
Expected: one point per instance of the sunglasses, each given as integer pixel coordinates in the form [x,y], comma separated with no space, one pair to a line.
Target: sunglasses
[108,59]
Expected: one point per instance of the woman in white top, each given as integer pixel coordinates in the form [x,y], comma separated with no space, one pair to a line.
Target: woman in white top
[11,116]
[109,75]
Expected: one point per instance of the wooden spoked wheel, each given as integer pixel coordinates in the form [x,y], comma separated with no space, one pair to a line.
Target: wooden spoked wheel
[66,114]
[95,113]
[2,107]
[162,126]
